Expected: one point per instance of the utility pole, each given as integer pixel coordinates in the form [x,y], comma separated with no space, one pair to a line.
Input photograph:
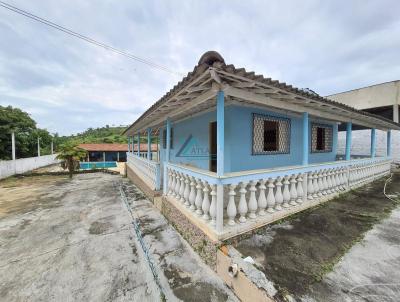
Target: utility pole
[52,150]
[13,145]
[38,146]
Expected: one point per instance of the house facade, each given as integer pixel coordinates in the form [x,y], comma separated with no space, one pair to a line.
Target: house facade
[238,150]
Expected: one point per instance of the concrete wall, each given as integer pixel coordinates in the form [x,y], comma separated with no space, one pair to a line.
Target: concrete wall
[22,165]
[385,94]
[238,141]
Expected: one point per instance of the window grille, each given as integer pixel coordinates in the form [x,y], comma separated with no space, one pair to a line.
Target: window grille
[171,144]
[271,135]
[321,138]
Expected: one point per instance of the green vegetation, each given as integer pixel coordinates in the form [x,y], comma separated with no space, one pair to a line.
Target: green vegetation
[107,134]
[70,154]
[26,134]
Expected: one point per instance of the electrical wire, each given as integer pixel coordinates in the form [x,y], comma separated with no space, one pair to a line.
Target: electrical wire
[88,39]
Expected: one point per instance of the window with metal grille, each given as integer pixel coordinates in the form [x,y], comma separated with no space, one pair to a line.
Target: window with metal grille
[321,138]
[271,135]
[171,144]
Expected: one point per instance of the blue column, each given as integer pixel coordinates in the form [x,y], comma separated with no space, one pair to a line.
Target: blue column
[348,140]
[129,142]
[389,143]
[149,143]
[373,142]
[138,143]
[168,142]
[133,144]
[306,144]
[220,132]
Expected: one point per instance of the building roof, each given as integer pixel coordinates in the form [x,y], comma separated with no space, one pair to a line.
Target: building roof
[104,147]
[115,147]
[196,93]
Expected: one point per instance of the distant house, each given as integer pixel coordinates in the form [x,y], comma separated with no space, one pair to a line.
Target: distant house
[239,150]
[112,152]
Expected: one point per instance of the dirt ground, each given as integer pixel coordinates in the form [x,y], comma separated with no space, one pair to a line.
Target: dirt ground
[298,252]
[72,240]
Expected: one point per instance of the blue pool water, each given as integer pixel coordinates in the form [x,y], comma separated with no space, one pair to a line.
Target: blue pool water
[97,165]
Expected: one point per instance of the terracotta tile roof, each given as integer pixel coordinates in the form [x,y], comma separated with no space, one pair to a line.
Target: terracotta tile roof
[104,147]
[115,147]
[212,59]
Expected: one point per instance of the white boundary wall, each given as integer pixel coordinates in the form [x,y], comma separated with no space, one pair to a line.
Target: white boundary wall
[22,165]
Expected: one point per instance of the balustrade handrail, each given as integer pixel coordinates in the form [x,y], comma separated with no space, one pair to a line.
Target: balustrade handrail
[237,177]
[145,160]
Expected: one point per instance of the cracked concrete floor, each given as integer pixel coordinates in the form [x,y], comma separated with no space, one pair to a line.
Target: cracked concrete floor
[68,240]
[72,240]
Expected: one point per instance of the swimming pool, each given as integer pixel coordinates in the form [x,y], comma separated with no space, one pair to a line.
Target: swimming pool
[97,165]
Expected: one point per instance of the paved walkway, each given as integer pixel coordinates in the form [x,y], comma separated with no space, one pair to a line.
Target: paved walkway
[183,274]
[72,240]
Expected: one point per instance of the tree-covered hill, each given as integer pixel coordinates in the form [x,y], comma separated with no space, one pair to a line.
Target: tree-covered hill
[105,134]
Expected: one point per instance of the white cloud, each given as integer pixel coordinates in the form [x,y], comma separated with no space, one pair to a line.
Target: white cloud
[68,85]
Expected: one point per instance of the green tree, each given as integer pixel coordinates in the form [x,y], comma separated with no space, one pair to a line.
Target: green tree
[14,119]
[70,154]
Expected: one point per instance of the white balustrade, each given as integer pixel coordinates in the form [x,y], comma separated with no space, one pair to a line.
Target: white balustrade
[264,197]
[148,170]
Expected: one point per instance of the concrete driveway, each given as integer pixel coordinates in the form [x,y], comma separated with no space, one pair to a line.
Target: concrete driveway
[72,240]
[68,240]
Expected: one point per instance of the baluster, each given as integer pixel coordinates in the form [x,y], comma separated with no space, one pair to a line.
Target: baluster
[169,182]
[286,193]
[270,196]
[300,191]
[278,195]
[252,200]
[213,207]
[324,183]
[317,193]
[199,198]
[192,194]
[206,202]
[329,181]
[173,183]
[177,185]
[262,201]
[310,186]
[186,192]
[293,190]
[336,180]
[242,207]
[341,179]
[320,176]
[231,209]
[182,189]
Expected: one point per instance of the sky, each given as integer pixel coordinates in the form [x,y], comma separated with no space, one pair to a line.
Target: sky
[68,85]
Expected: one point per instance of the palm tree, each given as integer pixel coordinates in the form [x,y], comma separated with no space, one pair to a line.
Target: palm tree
[70,154]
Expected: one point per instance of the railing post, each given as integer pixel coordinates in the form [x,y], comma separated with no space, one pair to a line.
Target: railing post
[220,158]
[148,143]
[373,143]
[166,161]
[138,143]
[389,143]
[305,139]
[13,145]
[348,140]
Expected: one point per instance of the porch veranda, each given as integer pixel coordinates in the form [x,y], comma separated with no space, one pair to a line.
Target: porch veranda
[226,204]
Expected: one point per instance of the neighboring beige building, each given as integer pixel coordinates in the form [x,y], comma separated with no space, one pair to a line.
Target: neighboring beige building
[382,99]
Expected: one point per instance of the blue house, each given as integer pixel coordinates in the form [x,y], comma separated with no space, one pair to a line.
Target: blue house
[238,150]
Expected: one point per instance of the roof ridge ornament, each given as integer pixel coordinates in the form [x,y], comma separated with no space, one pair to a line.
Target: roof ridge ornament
[210,57]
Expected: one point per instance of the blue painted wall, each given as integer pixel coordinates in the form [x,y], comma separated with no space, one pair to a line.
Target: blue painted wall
[238,141]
